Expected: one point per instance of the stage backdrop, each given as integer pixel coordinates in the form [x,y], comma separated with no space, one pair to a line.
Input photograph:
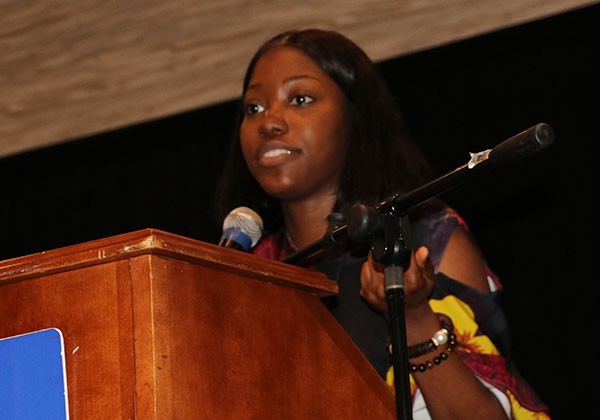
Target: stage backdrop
[73,68]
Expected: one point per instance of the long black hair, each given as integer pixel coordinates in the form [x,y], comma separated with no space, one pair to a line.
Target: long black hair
[381,158]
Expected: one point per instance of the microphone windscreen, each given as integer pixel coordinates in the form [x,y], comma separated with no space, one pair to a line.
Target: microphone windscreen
[246,220]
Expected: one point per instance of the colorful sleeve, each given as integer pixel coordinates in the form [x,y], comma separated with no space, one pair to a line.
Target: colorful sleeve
[484,359]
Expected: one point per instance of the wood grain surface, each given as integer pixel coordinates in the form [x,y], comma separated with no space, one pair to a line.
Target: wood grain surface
[73,68]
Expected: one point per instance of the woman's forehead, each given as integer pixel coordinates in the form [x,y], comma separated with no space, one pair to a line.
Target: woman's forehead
[286,63]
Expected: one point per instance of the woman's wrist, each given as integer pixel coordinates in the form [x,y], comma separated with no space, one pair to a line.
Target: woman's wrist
[421,322]
[442,336]
[424,355]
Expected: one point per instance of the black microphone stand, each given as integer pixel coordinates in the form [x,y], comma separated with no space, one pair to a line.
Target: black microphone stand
[386,225]
[521,145]
[393,252]
[390,237]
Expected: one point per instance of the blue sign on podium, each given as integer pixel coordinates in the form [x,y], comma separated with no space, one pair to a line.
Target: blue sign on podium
[33,382]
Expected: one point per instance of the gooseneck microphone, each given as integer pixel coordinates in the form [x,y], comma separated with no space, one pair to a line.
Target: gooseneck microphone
[242,229]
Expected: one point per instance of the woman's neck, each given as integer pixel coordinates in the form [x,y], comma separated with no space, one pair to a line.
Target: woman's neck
[306,221]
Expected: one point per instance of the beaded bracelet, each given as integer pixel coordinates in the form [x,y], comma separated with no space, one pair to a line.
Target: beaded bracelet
[440,337]
[422,367]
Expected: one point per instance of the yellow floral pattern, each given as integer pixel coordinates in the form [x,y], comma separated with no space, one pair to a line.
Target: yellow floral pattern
[476,349]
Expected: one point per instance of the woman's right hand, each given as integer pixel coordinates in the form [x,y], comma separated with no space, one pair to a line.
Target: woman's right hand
[419,279]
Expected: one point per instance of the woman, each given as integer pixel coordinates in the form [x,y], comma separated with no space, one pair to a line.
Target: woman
[319,132]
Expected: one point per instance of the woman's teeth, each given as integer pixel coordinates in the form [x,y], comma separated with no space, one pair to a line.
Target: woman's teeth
[277,152]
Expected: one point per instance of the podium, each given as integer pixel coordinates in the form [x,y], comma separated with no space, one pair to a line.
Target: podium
[160,326]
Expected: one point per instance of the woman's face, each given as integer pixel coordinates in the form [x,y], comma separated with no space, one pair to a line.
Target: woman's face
[294,131]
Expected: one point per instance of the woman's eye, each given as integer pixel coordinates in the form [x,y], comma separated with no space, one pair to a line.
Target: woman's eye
[252,109]
[301,100]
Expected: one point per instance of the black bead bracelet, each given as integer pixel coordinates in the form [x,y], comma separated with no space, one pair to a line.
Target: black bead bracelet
[438,338]
[422,367]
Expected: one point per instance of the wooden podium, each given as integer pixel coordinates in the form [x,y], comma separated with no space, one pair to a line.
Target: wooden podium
[159,326]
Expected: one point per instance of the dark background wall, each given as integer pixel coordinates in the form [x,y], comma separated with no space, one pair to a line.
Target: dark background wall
[536,220]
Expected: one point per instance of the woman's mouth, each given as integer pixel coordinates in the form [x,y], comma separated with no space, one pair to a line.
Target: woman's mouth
[276,152]
[273,154]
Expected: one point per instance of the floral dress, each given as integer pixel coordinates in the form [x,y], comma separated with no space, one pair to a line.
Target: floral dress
[479,324]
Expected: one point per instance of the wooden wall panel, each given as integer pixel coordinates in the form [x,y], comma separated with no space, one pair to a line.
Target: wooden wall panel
[74,68]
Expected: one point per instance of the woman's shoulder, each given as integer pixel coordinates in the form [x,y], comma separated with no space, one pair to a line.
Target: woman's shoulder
[445,232]
[431,225]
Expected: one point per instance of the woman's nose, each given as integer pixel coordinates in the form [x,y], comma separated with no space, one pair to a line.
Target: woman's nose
[273,124]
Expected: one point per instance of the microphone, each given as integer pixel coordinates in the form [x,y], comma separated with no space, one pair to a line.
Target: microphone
[521,145]
[242,229]
[526,143]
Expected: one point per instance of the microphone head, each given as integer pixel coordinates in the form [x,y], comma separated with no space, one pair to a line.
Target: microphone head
[247,220]
[544,135]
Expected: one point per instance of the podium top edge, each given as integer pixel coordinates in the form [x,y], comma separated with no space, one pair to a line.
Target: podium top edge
[152,241]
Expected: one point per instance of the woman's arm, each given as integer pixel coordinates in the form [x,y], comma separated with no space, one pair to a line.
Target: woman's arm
[450,389]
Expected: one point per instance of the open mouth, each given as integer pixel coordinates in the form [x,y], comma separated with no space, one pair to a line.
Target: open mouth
[274,153]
